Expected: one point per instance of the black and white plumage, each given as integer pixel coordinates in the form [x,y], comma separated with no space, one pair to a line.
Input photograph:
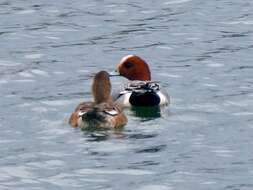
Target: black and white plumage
[142,93]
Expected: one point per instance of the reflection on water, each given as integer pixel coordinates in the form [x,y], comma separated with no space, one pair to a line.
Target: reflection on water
[201,51]
[147,113]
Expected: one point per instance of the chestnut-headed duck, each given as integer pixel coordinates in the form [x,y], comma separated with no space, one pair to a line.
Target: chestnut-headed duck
[140,90]
[102,112]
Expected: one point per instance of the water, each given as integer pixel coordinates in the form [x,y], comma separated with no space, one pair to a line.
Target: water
[200,50]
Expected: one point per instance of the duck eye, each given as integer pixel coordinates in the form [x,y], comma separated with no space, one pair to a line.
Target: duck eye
[128,65]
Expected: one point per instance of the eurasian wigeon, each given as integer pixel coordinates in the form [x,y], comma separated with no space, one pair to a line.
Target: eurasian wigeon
[102,112]
[140,90]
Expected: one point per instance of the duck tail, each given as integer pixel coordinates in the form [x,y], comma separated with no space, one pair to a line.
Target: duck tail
[93,118]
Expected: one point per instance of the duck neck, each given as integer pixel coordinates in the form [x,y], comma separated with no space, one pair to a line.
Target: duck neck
[101,92]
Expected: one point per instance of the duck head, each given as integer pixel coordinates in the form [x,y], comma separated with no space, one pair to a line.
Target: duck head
[134,68]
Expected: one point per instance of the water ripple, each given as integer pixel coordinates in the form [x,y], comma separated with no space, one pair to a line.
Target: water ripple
[153,149]
[200,50]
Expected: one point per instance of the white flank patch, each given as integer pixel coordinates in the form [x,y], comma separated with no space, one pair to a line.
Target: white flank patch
[124,100]
[163,99]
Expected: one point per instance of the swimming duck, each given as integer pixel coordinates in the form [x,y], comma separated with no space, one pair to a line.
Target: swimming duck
[102,112]
[140,90]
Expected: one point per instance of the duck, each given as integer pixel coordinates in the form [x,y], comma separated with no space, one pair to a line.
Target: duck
[102,112]
[140,90]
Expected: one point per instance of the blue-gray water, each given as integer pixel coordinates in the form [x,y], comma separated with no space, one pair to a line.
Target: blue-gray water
[201,50]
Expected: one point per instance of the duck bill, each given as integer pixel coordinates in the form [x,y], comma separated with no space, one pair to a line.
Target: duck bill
[114,74]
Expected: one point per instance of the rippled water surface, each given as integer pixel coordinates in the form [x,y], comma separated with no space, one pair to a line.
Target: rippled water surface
[202,51]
